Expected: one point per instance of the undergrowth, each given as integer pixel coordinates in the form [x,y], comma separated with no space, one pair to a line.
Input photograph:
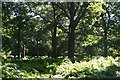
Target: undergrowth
[96,67]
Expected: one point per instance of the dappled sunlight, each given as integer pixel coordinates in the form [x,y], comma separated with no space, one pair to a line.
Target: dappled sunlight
[97,67]
[60,40]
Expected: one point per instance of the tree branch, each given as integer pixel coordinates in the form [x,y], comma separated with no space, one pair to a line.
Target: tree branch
[82,15]
[39,15]
[63,29]
[63,9]
[76,9]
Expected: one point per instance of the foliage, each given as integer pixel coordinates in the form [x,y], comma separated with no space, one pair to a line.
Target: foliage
[96,67]
[38,37]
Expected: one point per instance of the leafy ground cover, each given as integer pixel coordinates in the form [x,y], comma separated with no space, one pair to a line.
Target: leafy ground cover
[44,67]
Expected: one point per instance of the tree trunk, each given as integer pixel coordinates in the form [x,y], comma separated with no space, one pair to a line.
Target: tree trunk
[23,51]
[54,42]
[37,46]
[105,35]
[18,51]
[71,43]
[71,34]
[105,42]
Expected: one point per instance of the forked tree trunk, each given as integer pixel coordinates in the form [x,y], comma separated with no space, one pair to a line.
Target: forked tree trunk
[74,14]
[71,34]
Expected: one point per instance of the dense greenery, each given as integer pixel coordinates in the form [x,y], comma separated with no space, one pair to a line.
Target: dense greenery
[60,40]
[95,67]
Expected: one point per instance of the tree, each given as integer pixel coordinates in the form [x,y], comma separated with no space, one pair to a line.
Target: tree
[37,29]
[74,12]
[14,17]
